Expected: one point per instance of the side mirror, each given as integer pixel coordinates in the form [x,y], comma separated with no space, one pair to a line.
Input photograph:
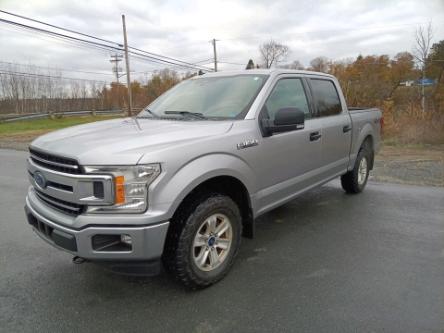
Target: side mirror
[285,119]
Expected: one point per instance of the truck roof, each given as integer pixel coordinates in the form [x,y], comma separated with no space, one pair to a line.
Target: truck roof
[271,71]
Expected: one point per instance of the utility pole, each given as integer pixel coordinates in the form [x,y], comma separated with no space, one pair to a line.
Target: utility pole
[128,79]
[423,104]
[115,59]
[215,54]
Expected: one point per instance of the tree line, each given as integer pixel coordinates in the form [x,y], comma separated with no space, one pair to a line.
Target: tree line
[408,87]
[30,90]
[395,84]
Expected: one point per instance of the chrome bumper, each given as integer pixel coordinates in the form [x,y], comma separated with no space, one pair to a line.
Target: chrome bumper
[147,240]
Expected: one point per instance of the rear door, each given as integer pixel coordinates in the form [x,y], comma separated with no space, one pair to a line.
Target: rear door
[336,126]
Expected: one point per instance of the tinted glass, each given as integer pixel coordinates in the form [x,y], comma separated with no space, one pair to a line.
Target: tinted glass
[225,97]
[326,96]
[288,93]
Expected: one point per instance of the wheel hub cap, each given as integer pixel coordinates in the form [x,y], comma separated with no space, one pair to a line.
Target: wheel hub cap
[212,242]
[362,171]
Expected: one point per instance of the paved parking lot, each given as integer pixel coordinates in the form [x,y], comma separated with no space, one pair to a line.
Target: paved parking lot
[326,262]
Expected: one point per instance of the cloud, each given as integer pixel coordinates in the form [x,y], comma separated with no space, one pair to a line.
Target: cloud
[183,29]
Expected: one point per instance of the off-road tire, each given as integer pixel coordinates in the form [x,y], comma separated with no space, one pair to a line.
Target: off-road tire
[177,256]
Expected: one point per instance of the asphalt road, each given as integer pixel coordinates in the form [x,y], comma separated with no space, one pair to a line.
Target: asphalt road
[326,262]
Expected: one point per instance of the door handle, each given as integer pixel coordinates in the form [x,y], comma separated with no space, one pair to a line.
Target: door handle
[346,128]
[315,136]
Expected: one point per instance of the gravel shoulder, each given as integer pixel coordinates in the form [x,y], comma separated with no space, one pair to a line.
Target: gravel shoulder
[414,165]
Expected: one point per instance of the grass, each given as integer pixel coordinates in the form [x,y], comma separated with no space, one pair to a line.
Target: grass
[46,124]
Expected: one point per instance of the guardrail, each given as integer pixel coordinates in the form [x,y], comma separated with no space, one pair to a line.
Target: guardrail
[65,114]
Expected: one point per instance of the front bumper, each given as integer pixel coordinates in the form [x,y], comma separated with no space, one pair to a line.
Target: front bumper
[147,240]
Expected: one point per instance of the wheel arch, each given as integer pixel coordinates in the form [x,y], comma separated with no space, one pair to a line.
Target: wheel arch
[369,141]
[365,137]
[226,185]
[223,173]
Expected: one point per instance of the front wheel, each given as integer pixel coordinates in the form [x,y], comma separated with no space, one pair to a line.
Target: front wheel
[204,242]
[355,180]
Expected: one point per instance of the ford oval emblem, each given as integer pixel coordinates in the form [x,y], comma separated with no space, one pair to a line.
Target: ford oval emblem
[39,179]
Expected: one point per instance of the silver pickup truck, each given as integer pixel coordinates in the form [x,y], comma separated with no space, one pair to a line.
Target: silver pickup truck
[184,180]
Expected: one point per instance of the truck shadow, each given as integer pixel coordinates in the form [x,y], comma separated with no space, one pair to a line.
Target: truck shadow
[282,223]
[282,250]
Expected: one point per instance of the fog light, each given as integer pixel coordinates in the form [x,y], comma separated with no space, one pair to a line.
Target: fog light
[126,239]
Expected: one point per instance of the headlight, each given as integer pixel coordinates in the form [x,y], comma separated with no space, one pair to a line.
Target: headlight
[130,187]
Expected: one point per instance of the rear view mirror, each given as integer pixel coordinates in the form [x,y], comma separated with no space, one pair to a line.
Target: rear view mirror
[285,119]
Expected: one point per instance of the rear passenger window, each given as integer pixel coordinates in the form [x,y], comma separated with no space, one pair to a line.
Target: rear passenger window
[326,97]
[287,93]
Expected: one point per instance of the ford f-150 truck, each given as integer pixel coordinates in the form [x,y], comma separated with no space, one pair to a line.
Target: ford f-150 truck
[184,180]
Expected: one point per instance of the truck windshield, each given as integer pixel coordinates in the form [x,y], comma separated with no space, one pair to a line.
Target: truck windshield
[215,98]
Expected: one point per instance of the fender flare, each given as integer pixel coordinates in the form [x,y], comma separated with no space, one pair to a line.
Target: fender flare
[199,170]
[366,131]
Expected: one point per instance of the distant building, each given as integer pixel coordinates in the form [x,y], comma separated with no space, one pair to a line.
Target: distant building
[407,83]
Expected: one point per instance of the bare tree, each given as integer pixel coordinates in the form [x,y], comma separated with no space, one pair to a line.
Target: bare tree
[26,88]
[296,64]
[423,40]
[273,52]
[320,64]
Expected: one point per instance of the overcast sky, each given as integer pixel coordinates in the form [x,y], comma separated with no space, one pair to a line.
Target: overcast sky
[183,29]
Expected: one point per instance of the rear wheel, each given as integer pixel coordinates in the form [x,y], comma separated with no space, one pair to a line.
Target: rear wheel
[354,181]
[203,242]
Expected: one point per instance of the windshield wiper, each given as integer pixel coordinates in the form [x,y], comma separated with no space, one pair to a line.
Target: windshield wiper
[187,113]
[150,112]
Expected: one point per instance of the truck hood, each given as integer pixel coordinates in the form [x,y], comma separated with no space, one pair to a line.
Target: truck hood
[125,141]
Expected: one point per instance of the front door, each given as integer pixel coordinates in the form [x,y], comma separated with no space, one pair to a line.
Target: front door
[288,161]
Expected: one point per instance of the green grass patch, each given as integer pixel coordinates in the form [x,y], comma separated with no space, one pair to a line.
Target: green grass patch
[47,124]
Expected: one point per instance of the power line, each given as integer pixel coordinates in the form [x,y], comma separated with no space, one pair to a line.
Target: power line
[14,73]
[56,34]
[231,63]
[53,33]
[60,28]
[98,45]
[45,37]
[180,61]
[150,54]
[161,61]
[143,57]
[206,61]
[53,68]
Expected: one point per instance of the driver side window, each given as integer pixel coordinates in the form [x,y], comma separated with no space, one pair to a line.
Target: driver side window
[287,93]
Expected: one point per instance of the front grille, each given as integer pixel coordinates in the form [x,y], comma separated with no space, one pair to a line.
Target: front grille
[60,238]
[40,226]
[54,162]
[61,205]
[55,185]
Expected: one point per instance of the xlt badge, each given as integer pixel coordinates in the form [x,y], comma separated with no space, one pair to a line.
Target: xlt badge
[248,143]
